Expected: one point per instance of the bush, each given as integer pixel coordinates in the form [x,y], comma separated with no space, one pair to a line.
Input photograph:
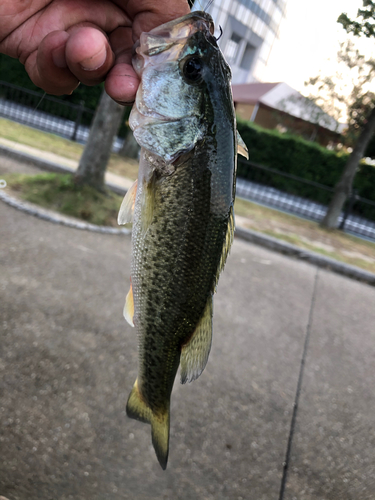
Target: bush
[294,155]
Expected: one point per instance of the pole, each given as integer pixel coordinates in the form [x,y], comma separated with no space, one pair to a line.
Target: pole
[81,108]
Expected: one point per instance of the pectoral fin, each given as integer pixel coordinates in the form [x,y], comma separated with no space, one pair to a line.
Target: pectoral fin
[241,147]
[129,307]
[125,215]
[194,354]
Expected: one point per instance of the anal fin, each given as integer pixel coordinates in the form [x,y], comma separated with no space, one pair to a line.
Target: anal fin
[129,307]
[194,354]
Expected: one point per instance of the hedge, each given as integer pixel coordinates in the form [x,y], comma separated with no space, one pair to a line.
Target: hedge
[308,160]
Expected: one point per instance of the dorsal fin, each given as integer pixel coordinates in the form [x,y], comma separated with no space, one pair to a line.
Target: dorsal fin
[194,354]
[125,215]
[241,147]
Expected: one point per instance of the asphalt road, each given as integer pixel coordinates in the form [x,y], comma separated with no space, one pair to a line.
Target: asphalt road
[68,361]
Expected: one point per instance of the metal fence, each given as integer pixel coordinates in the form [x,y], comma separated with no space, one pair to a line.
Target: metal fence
[72,121]
[291,203]
[47,113]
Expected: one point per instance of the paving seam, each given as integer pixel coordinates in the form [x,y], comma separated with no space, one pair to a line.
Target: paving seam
[263,240]
[298,391]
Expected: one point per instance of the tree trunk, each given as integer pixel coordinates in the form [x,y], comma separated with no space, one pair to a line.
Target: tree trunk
[130,148]
[344,186]
[94,159]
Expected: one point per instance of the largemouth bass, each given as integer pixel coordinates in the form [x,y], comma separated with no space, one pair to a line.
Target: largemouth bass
[181,207]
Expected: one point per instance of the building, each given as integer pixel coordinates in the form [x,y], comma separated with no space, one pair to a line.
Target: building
[279,106]
[250,28]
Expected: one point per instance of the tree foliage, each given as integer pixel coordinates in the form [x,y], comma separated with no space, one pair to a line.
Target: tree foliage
[347,95]
[361,112]
[366,23]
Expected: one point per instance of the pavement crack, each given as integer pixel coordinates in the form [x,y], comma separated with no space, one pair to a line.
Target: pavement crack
[298,391]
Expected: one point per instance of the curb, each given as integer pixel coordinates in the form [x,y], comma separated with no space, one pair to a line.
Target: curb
[51,216]
[50,166]
[246,234]
[306,255]
[37,162]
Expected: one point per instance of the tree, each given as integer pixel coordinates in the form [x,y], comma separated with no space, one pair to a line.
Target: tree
[361,112]
[94,159]
[366,26]
[370,150]
[130,148]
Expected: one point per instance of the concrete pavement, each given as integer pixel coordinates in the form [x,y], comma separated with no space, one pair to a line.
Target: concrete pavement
[68,361]
[21,158]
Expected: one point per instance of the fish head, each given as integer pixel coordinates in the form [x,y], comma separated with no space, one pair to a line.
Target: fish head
[182,70]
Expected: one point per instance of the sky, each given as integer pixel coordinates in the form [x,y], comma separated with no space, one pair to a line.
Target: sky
[309,41]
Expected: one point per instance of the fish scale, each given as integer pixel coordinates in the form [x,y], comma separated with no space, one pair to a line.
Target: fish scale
[173,291]
[181,207]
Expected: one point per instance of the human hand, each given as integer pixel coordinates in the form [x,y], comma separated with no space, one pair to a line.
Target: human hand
[64,42]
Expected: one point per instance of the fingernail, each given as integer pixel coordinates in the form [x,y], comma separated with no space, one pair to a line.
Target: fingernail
[126,103]
[58,57]
[94,62]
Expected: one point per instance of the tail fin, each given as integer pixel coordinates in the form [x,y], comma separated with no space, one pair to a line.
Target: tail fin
[137,408]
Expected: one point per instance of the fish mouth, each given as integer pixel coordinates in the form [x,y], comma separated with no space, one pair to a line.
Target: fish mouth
[170,37]
[172,28]
[139,120]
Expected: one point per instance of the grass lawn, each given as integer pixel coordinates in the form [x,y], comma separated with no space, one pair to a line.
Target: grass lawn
[64,196]
[306,234]
[52,143]
[42,140]
[59,192]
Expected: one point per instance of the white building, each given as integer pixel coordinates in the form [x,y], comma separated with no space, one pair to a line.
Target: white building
[250,28]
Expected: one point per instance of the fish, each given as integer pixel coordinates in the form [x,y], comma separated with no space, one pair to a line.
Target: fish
[181,209]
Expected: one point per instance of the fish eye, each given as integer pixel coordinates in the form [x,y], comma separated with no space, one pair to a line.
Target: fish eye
[192,70]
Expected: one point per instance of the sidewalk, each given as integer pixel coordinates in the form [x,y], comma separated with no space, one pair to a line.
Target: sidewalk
[284,409]
[52,162]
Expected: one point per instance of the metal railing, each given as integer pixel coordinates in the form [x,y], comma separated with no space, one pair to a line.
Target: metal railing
[45,112]
[289,201]
[72,121]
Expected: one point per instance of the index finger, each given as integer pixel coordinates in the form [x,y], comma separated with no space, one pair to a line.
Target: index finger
[122,81]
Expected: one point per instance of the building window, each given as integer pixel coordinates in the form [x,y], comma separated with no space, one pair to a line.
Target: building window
[248,57]
[231,48]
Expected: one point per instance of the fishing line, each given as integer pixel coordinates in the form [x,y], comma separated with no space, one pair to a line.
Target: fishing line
[210,2]
[192,2]
[298,392]
[41,99]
